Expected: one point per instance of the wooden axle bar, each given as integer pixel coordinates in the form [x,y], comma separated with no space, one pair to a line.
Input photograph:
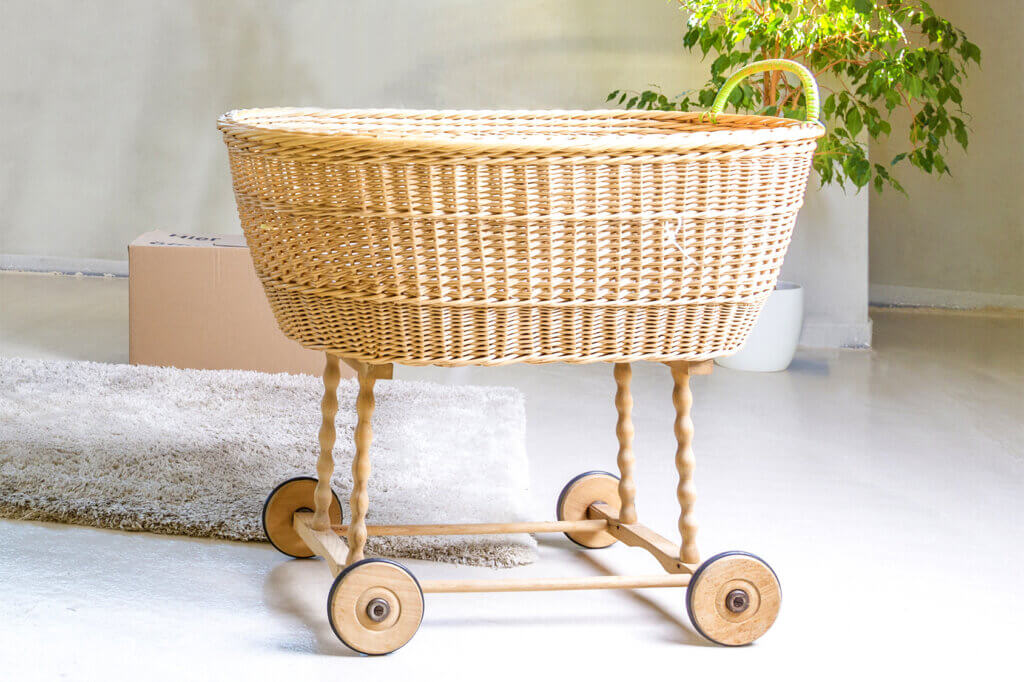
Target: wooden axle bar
[483,528]
[602,582]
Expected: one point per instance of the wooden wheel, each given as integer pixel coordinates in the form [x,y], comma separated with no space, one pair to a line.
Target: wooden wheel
[577,496]
[375,606]
[294,495]
[733,598]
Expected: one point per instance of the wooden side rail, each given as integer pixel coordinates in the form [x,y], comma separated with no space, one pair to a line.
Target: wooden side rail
[600,582]
[330,545]
[482,528]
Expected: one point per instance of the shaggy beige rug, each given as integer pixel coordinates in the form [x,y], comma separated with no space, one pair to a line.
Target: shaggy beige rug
[196,452]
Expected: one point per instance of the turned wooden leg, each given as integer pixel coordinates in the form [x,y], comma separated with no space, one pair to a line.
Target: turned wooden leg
[682,399]
[360,500]
[624,431]
[325,464]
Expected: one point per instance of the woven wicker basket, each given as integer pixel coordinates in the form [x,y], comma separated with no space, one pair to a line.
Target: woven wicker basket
[491,237]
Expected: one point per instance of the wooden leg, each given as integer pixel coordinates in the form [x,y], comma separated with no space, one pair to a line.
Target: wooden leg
[325,464]
[360,500]
[624,430]
[682,399]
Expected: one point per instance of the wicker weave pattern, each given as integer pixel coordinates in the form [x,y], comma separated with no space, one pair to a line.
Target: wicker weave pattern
[457,238]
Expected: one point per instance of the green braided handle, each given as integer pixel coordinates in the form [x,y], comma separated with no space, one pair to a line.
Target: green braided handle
[810,85]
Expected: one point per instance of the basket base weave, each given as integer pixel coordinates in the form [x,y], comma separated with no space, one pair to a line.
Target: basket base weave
[453,335]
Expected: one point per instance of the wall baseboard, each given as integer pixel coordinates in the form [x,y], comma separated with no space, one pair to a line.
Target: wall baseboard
[64,266]
[892,295]
[823,333]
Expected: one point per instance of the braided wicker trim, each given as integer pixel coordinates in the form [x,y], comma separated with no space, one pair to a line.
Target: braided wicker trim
[405,134]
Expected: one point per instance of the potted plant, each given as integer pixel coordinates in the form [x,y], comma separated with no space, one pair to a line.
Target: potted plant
[871,57]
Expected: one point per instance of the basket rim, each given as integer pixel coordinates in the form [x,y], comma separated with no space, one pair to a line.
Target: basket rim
[742,131]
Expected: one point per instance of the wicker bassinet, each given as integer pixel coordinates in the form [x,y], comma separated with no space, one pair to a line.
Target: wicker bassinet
[491,237]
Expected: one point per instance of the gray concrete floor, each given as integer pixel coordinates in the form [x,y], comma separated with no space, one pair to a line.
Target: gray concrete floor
[885,487]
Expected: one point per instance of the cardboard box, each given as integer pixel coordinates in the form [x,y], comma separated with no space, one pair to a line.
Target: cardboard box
[195,302]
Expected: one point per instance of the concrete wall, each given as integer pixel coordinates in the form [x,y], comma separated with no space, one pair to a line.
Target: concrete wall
[959,241]
[109,108]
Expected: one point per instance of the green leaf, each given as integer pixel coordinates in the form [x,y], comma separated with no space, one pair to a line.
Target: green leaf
[830,106]
[853,122]
[720,64]
[971,51]
[863,6]
[948,68]
[914,86]
[861,172]
[892,100]
[960,132]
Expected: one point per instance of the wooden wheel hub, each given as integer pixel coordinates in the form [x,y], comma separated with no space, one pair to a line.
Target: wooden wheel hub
[375,606]
[733,598]
[576,498]
[292,496]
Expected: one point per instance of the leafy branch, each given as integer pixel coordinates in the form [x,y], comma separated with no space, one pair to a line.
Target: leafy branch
[874,56]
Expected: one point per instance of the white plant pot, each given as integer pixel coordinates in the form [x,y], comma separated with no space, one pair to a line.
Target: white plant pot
[772,342]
